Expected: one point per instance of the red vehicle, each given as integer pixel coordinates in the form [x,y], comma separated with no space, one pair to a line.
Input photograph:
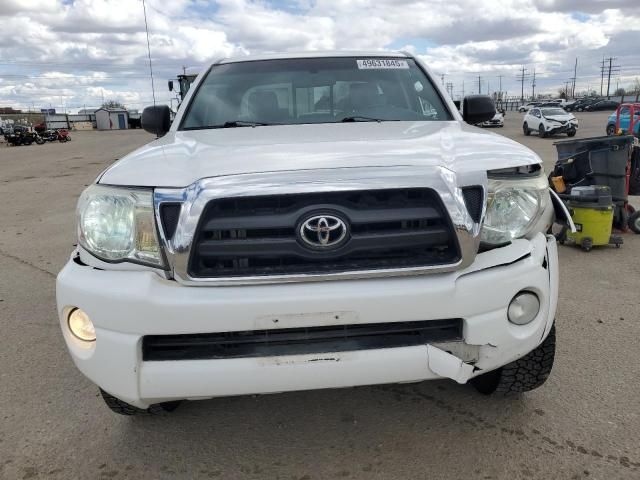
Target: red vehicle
[63,135]
[627,118]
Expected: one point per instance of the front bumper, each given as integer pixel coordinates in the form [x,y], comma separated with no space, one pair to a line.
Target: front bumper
[553,129]
[126,305]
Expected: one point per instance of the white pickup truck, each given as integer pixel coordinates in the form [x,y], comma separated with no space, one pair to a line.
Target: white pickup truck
[307,221]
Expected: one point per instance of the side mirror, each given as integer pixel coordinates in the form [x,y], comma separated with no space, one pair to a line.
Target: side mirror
[156,119]
[170,83]
[478,109]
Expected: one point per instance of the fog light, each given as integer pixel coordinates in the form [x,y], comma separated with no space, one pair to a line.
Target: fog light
[81,326]
[523,308]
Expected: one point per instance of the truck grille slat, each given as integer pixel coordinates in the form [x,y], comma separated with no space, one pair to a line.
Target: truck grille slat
[254,236]
[297,341]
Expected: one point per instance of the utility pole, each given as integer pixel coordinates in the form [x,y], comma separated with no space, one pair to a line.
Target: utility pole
[450,89]
[522,77]
[488,90]
[602,75]
[500,88]
[442,79]
[533,85]
[463,89]
[575,75]
[479,83]
[612,69]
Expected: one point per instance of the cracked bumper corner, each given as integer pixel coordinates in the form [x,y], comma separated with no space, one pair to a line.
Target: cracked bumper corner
[447,365]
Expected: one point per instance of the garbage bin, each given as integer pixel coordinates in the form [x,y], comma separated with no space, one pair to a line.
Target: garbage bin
[591,209]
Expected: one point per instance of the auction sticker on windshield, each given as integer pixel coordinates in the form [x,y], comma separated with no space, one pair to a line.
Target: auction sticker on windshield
[381,63]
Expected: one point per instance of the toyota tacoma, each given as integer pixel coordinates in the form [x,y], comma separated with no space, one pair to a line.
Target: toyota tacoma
[306,221]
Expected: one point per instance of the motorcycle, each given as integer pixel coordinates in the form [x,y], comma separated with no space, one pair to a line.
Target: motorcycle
[49,135]
[63,135]
[21,136]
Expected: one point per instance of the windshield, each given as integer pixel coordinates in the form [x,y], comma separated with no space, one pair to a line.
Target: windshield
[553,111]
[313,90]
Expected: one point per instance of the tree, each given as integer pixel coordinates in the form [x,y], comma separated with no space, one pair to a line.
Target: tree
[562,93]
[619,92]
[635,86]
[113,104]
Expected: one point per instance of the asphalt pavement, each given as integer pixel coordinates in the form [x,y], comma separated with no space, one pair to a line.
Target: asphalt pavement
[584,423]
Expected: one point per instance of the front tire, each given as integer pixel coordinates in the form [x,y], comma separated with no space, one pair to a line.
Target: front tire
[523,375]
[611,130]
[634,222]
[525,129]
[571,133]
[123,408]
[541,131]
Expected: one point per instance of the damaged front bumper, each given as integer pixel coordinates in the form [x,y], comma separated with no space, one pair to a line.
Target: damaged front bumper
[127,305]
[556,128]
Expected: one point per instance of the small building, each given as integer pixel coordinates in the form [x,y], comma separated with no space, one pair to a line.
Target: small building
[112,119]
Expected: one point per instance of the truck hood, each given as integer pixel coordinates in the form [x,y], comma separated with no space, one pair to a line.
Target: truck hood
[182,157]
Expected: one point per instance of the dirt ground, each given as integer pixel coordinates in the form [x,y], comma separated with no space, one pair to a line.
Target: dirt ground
[582,424]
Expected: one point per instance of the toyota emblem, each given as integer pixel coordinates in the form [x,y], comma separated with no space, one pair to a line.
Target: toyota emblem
[323,231]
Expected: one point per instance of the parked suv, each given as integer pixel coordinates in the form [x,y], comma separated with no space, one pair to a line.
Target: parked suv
[549,121]
[312,221]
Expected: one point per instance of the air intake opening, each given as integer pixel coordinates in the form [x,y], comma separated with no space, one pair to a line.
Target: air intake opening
[169,216]
[474,200]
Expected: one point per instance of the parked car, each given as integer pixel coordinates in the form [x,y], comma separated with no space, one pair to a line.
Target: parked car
[550,104]
[549,121]
[580,105]
[528,106]
[601,105]
[625,120]
[257,248]
[496,121]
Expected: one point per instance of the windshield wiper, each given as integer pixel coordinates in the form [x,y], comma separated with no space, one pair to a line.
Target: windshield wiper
[230,124]
[358,118]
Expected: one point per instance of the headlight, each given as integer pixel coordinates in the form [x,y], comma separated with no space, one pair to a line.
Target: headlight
[514,205]
[117,224]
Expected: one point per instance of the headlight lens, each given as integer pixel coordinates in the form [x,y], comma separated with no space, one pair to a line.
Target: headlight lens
[117,224]
[513,207]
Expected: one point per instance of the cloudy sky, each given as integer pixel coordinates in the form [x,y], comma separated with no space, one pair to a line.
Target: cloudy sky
[73,53]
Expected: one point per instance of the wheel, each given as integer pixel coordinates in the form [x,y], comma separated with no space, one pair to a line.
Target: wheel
[634,222]
[525,129]
[541,131]
[571,133]
[123,408]
[39,140]
[525,374]
[611,130]
[586,244]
